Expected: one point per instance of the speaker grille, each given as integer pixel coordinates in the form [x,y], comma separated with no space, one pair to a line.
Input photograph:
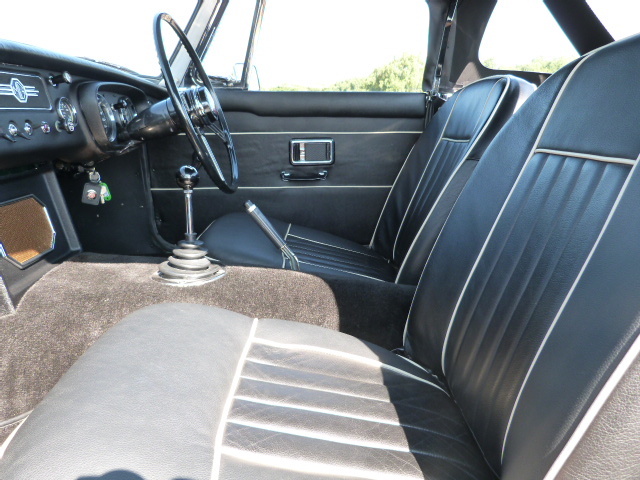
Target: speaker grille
[26,233]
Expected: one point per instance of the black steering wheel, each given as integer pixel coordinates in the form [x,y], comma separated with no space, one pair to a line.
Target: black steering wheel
[198,108]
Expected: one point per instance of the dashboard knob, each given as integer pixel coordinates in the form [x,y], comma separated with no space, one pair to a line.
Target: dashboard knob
[45,128]
[13,130]
[67,126]
[56,80]
[6,136]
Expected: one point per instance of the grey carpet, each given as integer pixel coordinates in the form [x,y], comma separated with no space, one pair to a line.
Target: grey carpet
[71,306]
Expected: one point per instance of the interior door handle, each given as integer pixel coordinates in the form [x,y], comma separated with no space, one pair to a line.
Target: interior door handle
[303,177]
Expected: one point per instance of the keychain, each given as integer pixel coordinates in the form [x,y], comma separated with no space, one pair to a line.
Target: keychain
[95,192]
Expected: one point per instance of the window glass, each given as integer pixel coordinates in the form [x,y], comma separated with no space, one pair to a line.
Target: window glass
[226,54]
[117,31]
[620,17]
[523,35]
[342,45]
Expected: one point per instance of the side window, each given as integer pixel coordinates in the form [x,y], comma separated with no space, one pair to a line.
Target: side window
[342,45]
[226,54]
[523,35]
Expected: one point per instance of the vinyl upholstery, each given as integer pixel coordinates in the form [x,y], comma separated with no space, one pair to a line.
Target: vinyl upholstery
[426,188]
[521,349]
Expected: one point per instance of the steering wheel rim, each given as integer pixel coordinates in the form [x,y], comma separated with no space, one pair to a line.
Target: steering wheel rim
[194,133]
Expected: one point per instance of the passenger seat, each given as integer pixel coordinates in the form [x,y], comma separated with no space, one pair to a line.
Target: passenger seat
[420,200]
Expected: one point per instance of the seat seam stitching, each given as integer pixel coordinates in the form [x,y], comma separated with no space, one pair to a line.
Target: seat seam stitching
[486,102]
[343,271]
[404,164]
[333,246]
[424,171]
[490,234]
[340,262]
[605,393]
[351,356]
[285,370]
[466,158]
[587,156]
[233,387]
[565,302]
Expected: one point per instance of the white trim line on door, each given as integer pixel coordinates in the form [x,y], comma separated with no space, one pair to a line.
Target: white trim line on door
[383,132]
[176,189]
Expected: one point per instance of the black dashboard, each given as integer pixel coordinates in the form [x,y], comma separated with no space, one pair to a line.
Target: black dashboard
[59,108]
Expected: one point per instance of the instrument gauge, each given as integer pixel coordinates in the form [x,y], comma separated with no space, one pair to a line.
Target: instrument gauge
[107,117]
[68,115]
[126,110]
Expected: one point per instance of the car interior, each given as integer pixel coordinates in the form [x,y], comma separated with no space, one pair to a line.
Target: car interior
[205,279]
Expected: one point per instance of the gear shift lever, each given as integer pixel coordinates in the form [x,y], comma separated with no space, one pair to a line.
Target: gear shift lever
[187,178]
[188,265]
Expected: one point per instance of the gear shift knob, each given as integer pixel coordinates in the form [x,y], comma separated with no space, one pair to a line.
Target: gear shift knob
[187,177]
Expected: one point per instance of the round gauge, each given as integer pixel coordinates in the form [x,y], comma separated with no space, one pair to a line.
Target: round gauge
[67,113]
[126,110]
[107,117]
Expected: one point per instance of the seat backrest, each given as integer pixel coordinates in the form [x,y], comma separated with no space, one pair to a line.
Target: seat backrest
[529,299]
[442,160]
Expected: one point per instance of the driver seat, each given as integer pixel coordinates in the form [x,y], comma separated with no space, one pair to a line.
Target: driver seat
[420,200]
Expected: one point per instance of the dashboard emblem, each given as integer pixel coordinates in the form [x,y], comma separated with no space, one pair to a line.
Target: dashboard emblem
[18,90]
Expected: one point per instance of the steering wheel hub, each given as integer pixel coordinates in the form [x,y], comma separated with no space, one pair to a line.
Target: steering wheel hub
[201,106]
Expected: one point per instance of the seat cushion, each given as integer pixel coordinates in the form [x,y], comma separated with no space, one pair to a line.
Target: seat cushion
[237,240]
[190,389]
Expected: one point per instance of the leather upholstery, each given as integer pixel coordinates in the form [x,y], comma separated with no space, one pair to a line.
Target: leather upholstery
[428,185]
[524,332]
[241,393]
[509,256]
[318,252]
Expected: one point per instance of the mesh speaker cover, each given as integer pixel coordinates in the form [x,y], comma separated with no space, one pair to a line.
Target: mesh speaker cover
[26,233]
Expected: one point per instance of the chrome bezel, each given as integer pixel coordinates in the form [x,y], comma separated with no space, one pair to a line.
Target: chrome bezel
[74,112]
[102,101]
[23,265]
[301,143]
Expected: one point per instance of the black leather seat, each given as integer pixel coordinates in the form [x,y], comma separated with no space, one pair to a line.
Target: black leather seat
[426,188]
[523,338]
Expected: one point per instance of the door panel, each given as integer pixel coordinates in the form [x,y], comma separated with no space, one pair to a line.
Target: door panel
[372,132]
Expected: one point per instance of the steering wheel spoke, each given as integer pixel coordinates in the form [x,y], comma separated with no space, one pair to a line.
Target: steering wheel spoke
[224,136]
[198,109]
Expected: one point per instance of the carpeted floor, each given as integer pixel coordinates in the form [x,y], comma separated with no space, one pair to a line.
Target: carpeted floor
[71,306]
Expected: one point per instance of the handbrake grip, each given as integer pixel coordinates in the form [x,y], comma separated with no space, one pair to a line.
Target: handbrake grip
[271,233]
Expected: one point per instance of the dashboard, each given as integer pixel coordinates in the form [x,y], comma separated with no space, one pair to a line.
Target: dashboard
[58,108]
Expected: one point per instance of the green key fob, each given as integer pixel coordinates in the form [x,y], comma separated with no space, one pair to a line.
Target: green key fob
[105,193]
